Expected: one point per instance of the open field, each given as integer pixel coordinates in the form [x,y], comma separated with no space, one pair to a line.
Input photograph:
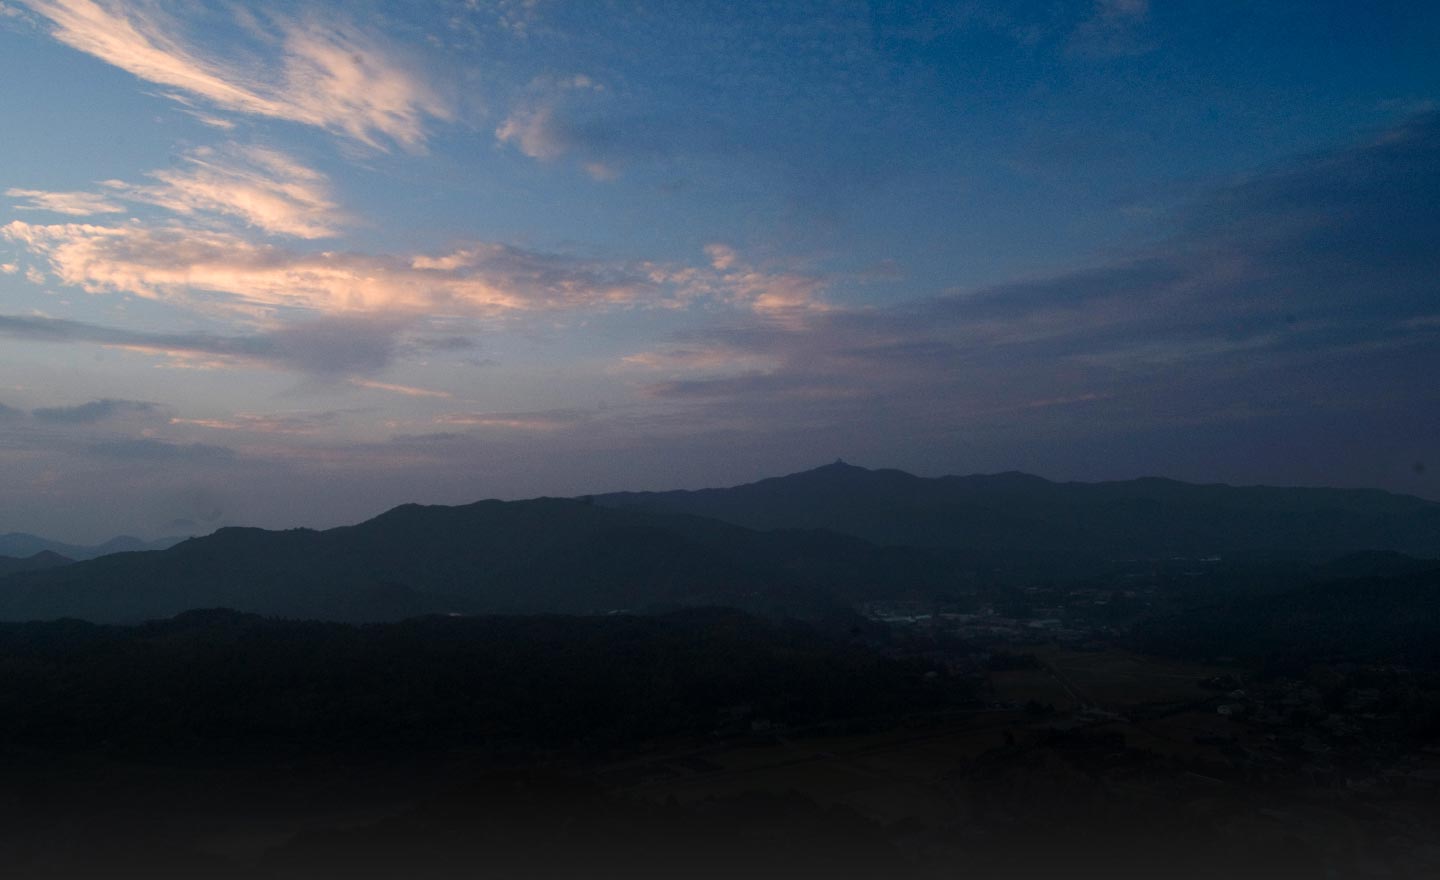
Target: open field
[887,775]
[1116,679]
[1021,686]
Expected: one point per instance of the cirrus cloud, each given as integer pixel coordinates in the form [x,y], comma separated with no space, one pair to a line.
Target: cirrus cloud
[213,269]
[339,347]
[265,188]
[329,75]
[94,412]
[74,204]
[1299,289]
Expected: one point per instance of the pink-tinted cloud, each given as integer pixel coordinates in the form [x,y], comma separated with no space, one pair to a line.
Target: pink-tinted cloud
[767,291]
[265,188]
[543,421]
[74,204]
[211,269]
[303,424]
[330,74]
[703,358]
[537,127]
[393,388]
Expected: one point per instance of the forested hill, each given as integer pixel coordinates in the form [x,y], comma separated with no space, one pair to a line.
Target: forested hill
[35,562]
[821,538]
[1386,620]
[544,555]
[209,682]
[1014,513]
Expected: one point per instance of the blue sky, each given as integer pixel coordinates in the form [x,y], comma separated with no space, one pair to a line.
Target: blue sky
[293,263]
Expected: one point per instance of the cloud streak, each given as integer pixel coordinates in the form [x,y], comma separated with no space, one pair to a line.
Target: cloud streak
[329,75]
[304,424]
[1293,288]
[579,118]
[74,204]
[329,348]
[150,450]
[768,292]
[94,412]
[216,269]
[542,421]
[262,187]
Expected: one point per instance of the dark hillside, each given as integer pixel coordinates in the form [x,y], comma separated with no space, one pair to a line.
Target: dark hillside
[545,555]
[38,562]
[1356,620]
[1013,514]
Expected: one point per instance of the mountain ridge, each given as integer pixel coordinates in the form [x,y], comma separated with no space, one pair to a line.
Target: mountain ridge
[1013,512]
[539,555]
[823,538]
[45,559]
[24,544]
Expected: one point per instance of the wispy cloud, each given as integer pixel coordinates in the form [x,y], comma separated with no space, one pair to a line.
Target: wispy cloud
[74,204]
[95,411]
[297,424]
[540,125]
[578,118]
[212,269]
[325,348]
[329,74]
[393,388]
[265,188]
[532,130]
[542,421]
[767,291]
[1294,287]
[1114,29]
[702,358]
[779,384]
[148,449]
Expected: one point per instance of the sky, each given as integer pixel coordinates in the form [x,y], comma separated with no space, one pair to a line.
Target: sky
[292,264]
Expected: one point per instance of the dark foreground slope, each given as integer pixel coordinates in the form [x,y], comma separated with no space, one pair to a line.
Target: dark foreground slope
[224,745]
[1016,514]
[703,743]
[220,685]
[545,555]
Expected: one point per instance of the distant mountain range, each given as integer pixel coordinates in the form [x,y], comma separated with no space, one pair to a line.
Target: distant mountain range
[36,562]
[804,543]
[20,545]
[544,555]
[1004,515]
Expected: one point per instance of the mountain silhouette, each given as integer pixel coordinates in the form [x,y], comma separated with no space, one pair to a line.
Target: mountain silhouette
[543,555]
[36,562]
[21,544]
[1016,514]
[803,545]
